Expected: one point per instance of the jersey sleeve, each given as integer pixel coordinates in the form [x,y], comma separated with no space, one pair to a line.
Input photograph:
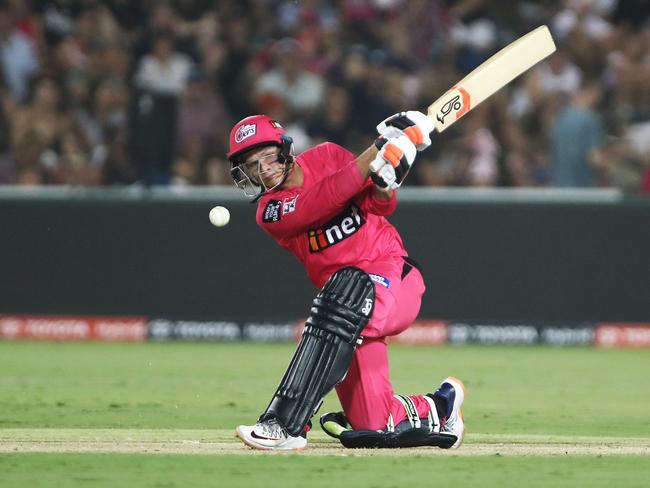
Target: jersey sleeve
[293,211]
[370,204]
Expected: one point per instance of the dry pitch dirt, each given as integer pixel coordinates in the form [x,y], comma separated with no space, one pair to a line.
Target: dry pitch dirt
[216,442]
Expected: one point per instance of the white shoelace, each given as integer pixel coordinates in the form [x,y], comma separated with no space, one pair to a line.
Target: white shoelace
[272,429]
[448,426]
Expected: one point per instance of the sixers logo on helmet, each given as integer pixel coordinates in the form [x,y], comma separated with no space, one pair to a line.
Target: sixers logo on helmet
[244,132]
[256,131]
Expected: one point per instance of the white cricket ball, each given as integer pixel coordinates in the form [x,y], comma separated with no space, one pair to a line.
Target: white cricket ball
[219,216]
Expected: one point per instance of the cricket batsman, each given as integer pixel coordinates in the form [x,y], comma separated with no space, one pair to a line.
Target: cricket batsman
[328,208]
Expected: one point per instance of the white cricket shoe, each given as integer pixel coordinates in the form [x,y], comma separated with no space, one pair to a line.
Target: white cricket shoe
[452,391]
[270,435]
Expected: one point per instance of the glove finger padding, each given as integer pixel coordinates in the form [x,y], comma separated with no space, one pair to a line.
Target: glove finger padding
[415,125]
[393,162]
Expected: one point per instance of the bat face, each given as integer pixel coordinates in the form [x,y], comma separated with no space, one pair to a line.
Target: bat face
[491,76]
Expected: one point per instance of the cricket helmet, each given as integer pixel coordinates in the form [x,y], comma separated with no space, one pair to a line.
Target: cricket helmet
[257,131]
[251,133]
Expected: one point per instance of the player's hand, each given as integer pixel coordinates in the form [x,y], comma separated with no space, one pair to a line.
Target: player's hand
[415,125]
[393,162]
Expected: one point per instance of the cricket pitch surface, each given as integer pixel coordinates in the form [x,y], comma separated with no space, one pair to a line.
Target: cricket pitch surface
[221,441]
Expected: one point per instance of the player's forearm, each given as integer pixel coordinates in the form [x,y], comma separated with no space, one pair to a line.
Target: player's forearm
[364,159]
[363,163]
[378,194]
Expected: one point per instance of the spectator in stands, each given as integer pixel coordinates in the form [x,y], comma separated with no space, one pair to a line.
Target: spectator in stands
[202,117]
[289,80]
[116,169]
[7,161]
[332,122]
[18,56]
[116,72]
[576,138]
[31,157]
[43,116]
[160,80]
[164,71]
[73,164]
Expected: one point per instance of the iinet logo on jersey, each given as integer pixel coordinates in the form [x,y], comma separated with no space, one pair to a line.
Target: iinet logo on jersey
[344,225]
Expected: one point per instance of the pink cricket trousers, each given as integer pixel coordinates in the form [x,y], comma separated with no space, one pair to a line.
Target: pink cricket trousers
[366,393]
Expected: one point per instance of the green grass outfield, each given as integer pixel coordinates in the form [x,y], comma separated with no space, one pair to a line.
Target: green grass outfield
[163,415]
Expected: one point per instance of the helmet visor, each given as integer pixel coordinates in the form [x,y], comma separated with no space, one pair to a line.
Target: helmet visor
[244,182]
[265,173]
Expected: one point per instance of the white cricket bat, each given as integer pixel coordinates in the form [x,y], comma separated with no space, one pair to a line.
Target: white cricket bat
[492,75]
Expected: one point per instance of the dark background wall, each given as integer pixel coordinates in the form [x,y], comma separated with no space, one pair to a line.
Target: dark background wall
[491,257]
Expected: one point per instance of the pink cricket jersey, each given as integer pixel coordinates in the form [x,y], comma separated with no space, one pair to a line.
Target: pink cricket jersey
[332,220]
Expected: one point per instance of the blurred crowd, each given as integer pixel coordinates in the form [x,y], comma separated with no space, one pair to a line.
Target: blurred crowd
[119,92]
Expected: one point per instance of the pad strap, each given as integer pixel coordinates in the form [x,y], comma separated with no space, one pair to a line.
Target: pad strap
[411,411]
[434,420]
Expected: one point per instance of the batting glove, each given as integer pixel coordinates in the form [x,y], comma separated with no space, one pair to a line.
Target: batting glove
[393,162]
[415,125]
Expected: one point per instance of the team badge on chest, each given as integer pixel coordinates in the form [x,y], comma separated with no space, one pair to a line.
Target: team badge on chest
[289,205]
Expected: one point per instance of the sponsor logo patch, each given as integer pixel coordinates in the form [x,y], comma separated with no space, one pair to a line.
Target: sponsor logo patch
[379,279]
[272,211]
[289,205]
[244,132]
[344,225]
